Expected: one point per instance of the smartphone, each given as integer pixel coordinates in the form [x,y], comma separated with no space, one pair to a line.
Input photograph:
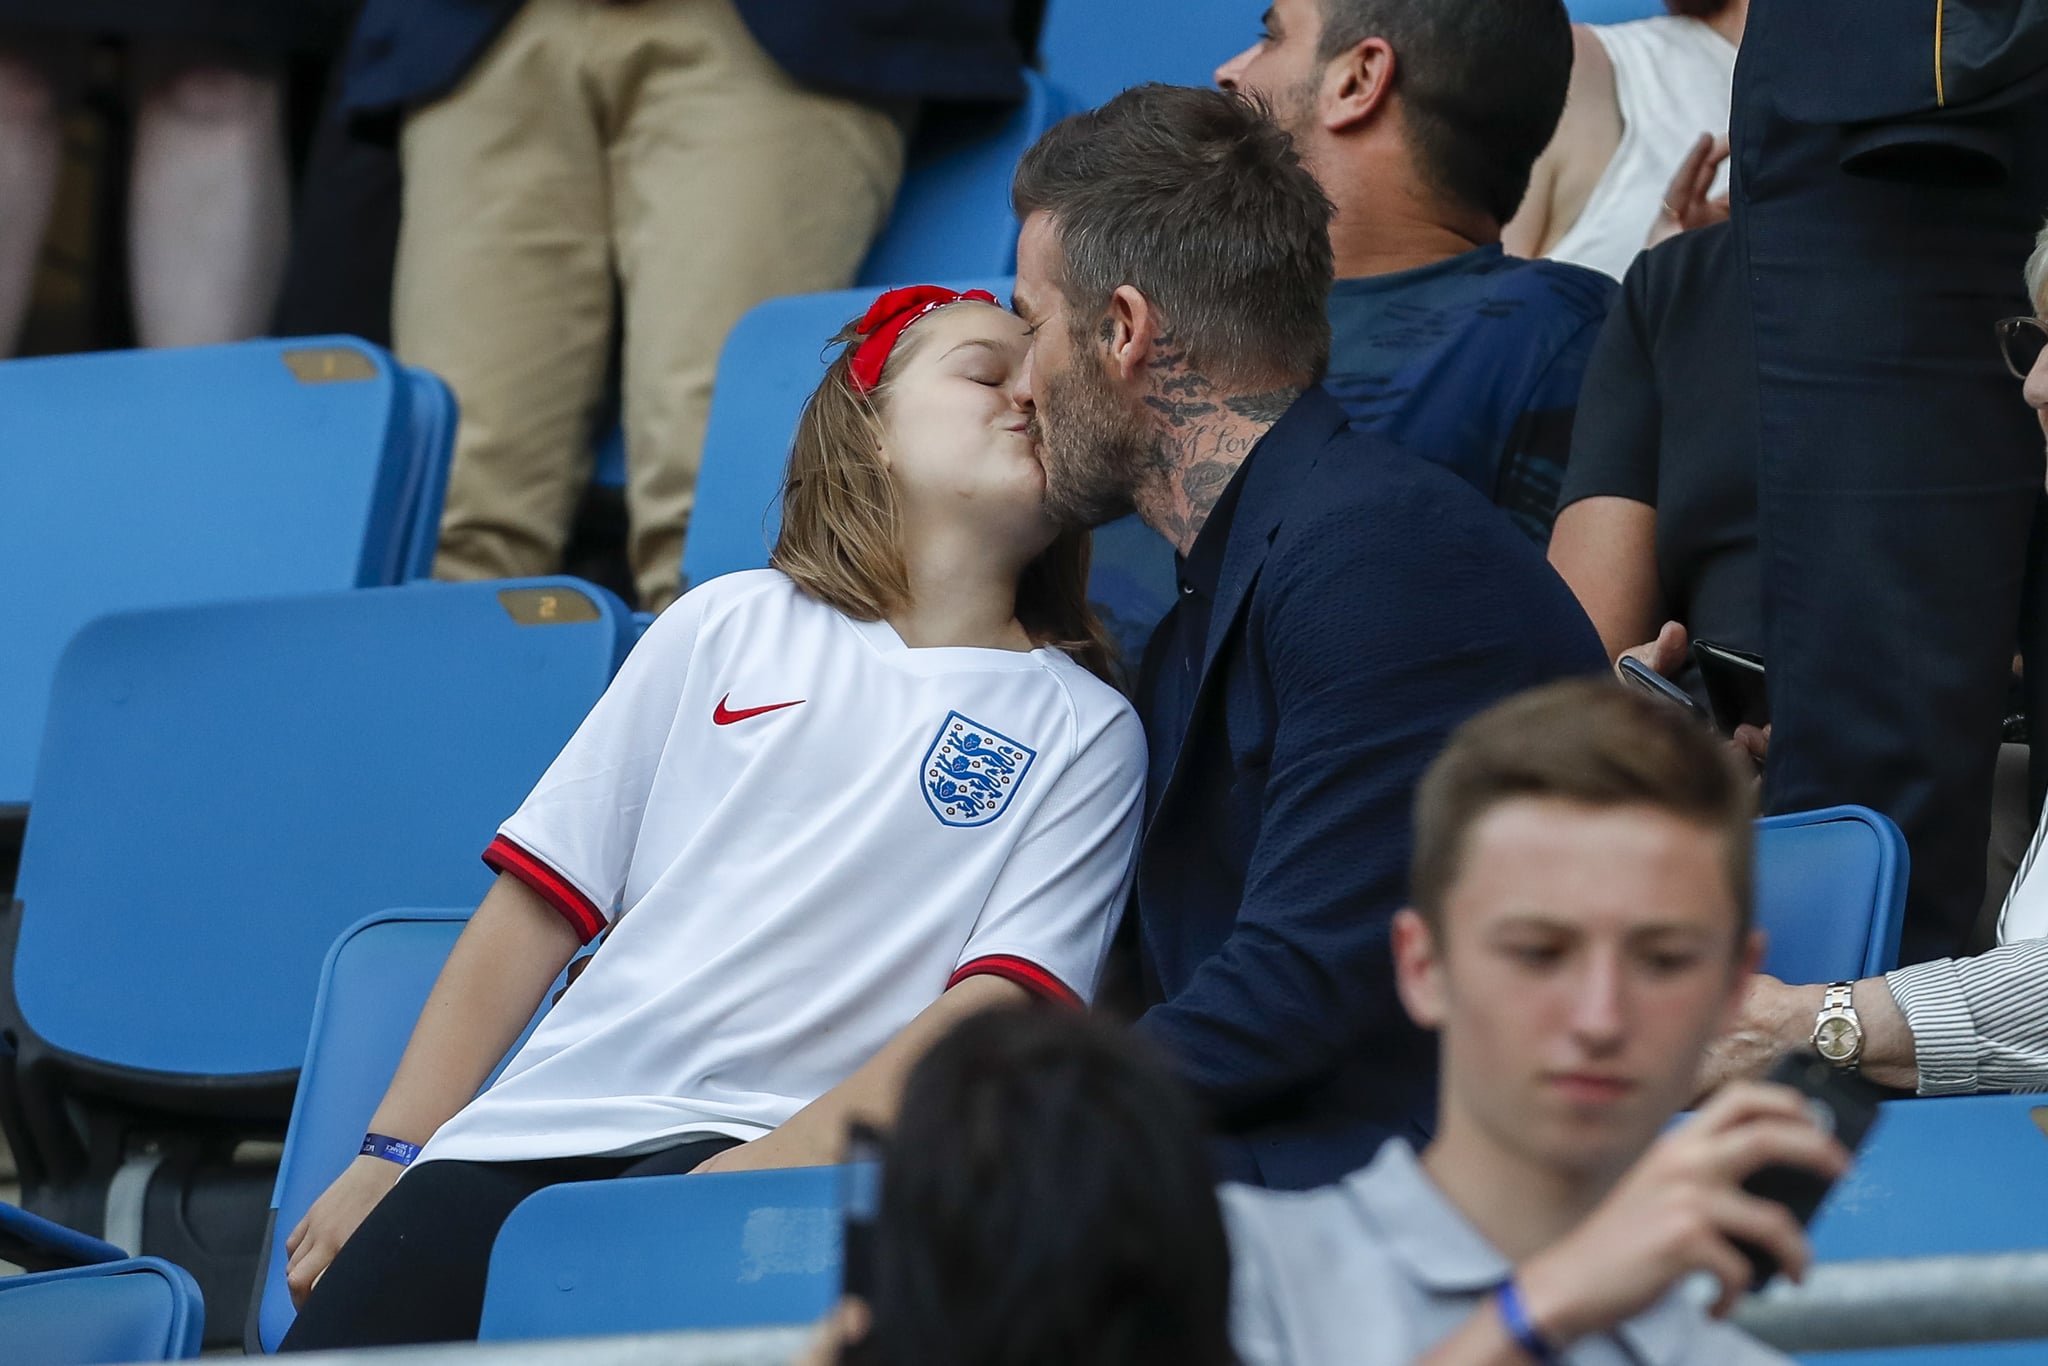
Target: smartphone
[1638,674]
[1734,680]
[860,1203]
[1842,1103]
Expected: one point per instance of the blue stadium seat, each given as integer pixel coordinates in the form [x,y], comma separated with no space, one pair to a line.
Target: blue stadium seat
[34,1243]
[1953,1175]
[1940,1176]
[151,478]
[771,364]
[1830,893]
[1091,50]
[372,986]
[1945,1354]
[952,216]
[139,1309]
[1613,11]
[656,1253]
[223,789]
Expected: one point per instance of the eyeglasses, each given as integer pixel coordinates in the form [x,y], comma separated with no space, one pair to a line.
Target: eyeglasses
[2021,341]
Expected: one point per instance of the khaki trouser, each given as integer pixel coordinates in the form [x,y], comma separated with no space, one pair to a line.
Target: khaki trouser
[650,148]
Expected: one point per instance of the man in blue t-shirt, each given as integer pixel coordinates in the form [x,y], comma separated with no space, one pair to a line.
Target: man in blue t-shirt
[1422,119]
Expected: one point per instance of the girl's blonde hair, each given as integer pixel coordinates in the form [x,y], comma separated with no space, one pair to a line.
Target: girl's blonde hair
[842,533]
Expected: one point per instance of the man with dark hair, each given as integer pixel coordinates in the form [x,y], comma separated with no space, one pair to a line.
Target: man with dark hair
[1341,607]
[1580,932]
[1422,119]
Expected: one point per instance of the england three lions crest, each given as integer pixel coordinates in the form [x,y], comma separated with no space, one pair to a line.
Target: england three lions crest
[971,772]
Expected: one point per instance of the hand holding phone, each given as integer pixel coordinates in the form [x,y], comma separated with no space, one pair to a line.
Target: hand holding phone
[1640,675]
[1842,1104]
[1685,1207]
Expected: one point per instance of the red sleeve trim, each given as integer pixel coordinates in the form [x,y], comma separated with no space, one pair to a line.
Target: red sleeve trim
[1024,973]
[506,857]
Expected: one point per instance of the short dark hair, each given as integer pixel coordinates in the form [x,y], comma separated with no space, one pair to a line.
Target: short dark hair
[1197,199]
[1482,84]
[1047,1200]
[1590,741]
[1697,9]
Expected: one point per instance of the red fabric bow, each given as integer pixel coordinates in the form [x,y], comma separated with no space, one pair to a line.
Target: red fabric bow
[887,319]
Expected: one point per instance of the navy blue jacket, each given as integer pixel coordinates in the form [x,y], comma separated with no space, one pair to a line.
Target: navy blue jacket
[1368,602]
[407,52]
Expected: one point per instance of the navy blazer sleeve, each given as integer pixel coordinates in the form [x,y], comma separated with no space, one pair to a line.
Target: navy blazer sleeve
[1379,634]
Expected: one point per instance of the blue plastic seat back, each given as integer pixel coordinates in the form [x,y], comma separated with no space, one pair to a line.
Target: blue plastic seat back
[1940,1176]
[1613,11]
[952,217]
[372,986]
[648,1254]
[1830,893]
[1091,50]
[1943,1354]
[226,788]
[34,1243]
[432,418]
[148,478]
[141,1309]
[772,362]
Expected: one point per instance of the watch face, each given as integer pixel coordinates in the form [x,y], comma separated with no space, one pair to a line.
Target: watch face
[1836,1039]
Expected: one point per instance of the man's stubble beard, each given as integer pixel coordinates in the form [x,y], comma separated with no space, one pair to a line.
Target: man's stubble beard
[1092,447]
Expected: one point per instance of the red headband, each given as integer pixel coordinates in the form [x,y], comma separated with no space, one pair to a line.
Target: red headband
[887,319]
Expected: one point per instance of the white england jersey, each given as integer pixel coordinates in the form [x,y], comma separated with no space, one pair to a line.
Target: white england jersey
[807,832]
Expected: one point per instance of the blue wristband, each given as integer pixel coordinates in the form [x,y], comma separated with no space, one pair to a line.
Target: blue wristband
[390,1149]
[1508,1301]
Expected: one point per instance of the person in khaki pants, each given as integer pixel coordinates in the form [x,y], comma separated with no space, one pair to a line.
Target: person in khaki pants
[657,165]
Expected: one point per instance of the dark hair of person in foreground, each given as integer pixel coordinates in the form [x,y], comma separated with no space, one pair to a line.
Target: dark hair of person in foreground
[1047,1200]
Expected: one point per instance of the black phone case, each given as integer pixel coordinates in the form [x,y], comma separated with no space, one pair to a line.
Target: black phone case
[1849,1103]
[1734,680]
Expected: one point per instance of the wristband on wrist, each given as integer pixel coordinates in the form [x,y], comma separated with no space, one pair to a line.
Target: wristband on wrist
[1507,1301]
[390,1149]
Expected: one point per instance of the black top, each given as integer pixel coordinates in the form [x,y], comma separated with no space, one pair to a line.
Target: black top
[1187,628]
[1668,417]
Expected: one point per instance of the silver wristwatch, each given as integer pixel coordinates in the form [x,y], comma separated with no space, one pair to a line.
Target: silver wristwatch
[1837,1031]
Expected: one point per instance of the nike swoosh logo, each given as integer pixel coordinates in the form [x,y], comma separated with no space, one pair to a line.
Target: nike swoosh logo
[724,716]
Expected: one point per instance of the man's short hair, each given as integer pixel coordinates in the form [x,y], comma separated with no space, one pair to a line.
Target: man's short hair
[1200,202]
[1482,84]
[1590,741]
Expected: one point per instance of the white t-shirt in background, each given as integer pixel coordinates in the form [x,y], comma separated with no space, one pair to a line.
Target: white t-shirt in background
[811,831]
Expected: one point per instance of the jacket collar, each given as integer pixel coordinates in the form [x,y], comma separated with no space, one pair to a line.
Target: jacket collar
[1288,450]
[1272,472]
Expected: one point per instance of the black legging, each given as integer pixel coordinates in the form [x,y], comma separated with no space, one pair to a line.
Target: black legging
[414,1271]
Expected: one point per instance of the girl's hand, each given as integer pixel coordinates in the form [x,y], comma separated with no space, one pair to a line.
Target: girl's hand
[333,1220]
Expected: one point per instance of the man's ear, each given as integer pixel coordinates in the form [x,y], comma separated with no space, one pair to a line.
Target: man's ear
[1126,333]
[1356,86]
[1418,968]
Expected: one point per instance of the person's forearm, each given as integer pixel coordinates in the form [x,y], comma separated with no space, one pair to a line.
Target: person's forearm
[511,950]
[815,1135]
[1888,1053]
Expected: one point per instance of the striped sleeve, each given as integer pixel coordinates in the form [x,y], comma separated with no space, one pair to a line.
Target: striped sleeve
[1979,1024]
